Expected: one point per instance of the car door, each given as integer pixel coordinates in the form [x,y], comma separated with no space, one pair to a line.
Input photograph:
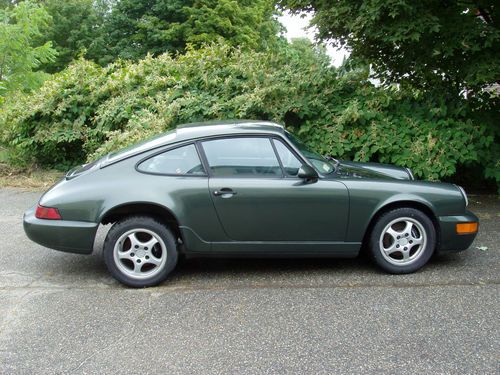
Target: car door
[256,199]
[176,179]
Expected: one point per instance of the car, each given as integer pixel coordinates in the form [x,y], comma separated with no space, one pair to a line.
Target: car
[246,188]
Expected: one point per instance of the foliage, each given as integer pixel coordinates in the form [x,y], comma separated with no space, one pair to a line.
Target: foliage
[7,3]
[425,134]
[107,30]
[245,23]
[74,30]
[87,111]
[19,56]
[135,28]
[428,44]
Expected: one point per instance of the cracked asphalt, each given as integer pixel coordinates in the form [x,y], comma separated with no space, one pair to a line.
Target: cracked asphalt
[63,314]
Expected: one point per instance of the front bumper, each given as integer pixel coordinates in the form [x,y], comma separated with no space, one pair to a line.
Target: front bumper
[69,236]
[450,240]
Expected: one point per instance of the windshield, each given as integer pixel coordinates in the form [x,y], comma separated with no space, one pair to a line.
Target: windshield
[321,164]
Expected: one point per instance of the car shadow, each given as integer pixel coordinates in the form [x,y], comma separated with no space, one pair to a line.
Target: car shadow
[271,265]
[214,268]
[200,272]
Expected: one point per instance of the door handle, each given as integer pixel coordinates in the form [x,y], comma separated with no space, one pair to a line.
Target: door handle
[224,191]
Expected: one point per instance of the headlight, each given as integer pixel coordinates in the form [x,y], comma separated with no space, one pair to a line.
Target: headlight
[464,194]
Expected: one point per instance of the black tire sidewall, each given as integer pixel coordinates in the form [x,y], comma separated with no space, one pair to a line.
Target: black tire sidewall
[134,222]
[385,219]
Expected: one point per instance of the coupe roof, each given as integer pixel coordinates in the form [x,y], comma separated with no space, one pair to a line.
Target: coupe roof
[196,130]
[209,128]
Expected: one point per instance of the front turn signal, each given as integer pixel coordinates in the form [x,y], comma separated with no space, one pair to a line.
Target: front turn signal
[466,228]
[48,213]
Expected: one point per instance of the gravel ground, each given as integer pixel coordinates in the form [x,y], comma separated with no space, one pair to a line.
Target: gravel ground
[63,313]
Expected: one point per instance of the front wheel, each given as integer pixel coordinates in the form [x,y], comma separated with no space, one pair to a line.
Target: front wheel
[402,240]
[139,251]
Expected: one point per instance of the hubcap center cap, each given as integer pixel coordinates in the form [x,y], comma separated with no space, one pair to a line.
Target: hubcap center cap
[140,253]
[403,242]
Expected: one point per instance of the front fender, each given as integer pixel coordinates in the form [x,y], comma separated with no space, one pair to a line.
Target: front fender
[368,197]
[403,198]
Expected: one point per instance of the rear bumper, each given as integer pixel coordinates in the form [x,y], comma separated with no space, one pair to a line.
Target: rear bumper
[450,241]
[69,236]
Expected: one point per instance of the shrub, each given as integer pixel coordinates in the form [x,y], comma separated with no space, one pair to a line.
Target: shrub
[86,111]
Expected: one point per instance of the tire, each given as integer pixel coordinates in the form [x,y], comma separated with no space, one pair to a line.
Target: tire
[402,240]
[140,251]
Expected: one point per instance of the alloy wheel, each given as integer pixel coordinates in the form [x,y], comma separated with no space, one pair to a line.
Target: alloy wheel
[403,241]
[140,253]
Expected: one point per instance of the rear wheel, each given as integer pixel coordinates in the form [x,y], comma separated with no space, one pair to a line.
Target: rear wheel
[402,240]
[139,251]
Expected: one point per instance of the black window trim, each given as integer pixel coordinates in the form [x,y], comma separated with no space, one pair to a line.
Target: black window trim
[167,149]
[231,136]
[298,156]
[305,160]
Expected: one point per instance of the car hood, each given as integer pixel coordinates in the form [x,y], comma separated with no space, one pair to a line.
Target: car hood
[355,169]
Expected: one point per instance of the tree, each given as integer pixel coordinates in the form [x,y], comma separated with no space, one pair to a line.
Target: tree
[429,44]
[19,55]
[135,28]
[75,29]
[242,23]
[441,51]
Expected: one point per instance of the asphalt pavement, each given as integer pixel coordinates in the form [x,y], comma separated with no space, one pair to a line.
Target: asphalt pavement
[63,314]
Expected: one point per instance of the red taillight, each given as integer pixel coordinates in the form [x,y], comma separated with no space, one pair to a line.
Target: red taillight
[49,213]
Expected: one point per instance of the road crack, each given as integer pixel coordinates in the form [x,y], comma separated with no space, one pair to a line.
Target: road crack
[221,287]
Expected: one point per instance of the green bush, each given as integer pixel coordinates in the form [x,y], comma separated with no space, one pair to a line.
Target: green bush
[86,111]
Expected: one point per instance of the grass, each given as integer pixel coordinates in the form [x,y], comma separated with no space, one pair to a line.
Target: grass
[31,179]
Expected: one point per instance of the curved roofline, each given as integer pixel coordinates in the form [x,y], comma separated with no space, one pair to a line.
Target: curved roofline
[186,132]
[239,122]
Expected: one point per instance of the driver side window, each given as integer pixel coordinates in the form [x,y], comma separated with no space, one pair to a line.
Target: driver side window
[242,157]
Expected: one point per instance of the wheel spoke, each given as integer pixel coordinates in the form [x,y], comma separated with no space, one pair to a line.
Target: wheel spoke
[393,233]
[408,228]
[153,260]
[137,268]
[406,254]
[125,254]
[153,241]
[391,249]
[416,241]
[134,241]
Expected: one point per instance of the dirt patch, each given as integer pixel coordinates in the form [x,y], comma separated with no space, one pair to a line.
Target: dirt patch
[34,179]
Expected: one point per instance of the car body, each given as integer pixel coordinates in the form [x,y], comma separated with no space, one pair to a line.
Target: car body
[252,189]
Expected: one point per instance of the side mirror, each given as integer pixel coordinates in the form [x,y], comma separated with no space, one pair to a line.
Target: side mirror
[307,172]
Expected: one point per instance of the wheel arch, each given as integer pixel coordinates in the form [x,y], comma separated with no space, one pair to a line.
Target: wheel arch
[155,210]
[389,206]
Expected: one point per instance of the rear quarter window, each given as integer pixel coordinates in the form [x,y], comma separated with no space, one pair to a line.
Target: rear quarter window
[179,161]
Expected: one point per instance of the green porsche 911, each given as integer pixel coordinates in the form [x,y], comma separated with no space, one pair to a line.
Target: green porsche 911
[245,188]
